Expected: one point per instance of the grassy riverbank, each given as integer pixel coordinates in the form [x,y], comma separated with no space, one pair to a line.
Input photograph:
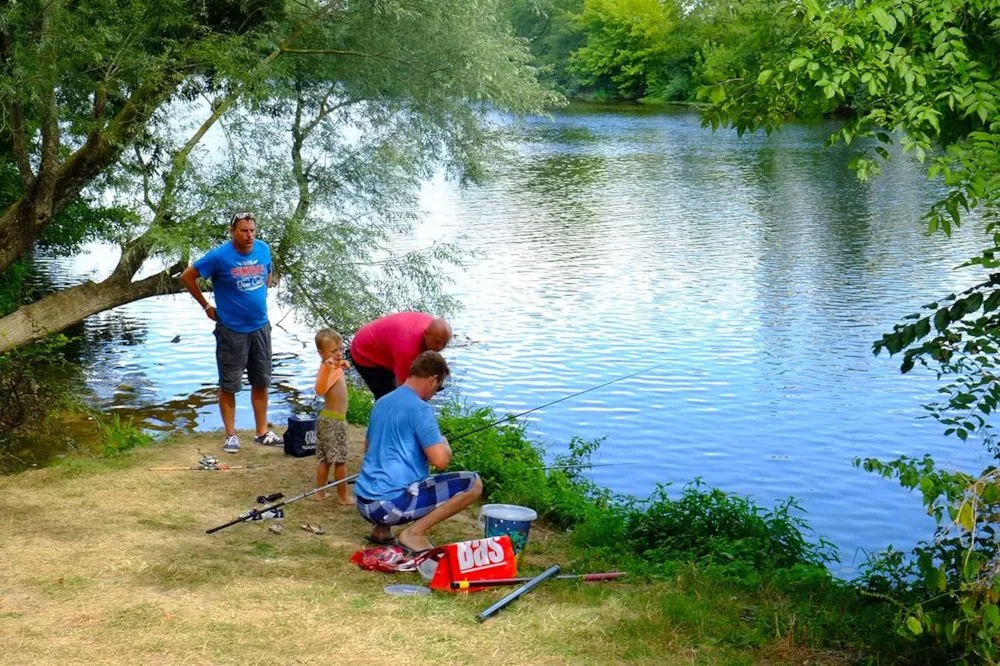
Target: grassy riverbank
[108,562]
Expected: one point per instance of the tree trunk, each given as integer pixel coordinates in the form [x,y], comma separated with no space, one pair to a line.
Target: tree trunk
[64,308]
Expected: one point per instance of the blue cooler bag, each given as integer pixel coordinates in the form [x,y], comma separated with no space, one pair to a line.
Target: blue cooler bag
[300,438]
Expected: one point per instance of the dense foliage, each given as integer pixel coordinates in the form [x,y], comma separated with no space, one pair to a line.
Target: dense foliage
[651,50]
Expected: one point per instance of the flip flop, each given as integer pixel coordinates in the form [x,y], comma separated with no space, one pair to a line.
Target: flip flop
[413,553]
[276,528]
[315,529]
[391,541]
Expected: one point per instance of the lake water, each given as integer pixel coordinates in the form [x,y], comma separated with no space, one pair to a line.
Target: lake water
[757,270]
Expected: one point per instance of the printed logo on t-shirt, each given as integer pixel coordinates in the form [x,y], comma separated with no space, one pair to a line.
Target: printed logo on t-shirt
[248,275]
[479,555]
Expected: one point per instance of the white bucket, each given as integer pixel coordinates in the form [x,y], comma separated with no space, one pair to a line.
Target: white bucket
[509,519]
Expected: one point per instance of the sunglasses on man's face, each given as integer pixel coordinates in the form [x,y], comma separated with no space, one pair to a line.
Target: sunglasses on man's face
[440,385]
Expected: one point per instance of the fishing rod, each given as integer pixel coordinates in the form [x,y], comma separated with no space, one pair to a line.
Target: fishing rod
[207,464]
[204,468]
[545,469]
[253,513]
[498,582]
[549,404]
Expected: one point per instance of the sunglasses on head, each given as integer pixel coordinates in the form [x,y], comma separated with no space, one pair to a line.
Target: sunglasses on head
[240,216]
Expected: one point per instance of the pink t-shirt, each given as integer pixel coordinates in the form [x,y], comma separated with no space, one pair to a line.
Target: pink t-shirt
[391,342]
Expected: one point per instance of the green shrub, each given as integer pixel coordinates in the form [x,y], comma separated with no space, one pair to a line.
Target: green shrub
[119,435]
[704,525]
[359,404]
[947,593]
[707,526]
[510,466]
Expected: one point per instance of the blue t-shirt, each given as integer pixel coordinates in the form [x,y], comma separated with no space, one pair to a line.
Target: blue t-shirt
[239,282]
[400,428]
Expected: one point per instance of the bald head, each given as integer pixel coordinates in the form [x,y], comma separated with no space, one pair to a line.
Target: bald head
[437,335]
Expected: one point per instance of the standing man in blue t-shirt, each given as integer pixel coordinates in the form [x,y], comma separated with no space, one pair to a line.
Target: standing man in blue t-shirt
[240,272]
[394,486]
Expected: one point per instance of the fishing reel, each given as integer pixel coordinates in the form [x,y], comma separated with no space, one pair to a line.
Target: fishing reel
[266,515]
[209,462]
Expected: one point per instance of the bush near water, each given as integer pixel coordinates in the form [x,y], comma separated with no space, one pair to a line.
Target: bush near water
[748,575]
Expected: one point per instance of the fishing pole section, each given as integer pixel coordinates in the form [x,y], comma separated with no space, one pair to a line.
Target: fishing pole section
[257,514]
[206,464]
[524,589]
[505,582]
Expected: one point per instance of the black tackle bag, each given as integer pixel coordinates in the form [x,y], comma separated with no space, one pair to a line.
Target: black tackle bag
[300,438]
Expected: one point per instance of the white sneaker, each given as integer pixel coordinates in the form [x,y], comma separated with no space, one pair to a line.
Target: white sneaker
[269,439]
[232,444]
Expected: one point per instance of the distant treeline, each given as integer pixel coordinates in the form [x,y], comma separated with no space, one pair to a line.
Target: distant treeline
[650,50]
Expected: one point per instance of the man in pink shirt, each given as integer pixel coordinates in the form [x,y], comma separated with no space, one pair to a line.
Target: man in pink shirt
[383,350]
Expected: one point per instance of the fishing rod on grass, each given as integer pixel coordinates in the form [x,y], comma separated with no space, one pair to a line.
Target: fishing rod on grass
[501,582]
[206,464]
[254,514]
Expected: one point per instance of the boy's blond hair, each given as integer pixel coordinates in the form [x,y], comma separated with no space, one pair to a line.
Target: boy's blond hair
[328,335]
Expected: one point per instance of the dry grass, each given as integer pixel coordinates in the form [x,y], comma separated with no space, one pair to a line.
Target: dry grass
[105,562]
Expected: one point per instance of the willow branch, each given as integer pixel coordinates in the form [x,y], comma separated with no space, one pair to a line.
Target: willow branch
[48,111]
[16,111]
[144,170]
[97,114]
[359,54]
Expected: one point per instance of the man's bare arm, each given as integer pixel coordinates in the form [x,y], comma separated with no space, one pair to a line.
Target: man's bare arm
[439,455]
[189,278]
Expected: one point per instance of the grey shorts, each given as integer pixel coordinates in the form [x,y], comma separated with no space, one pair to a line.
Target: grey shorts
[236,352]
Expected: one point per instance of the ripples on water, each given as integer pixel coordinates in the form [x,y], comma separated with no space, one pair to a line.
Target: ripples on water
[758,270]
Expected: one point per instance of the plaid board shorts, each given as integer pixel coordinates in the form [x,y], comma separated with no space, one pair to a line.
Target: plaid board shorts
[419,499]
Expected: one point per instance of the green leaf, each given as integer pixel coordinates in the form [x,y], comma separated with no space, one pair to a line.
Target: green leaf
[763,77]
[718,94]
[923,327]
[913,624]
[992,302]
[796,63]
[907,364]
[838,43]
[991,616]
[973,302]
[887,22]
[966,519]
[941,319]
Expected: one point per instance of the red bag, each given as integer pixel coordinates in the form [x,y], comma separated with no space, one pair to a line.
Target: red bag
[388,559]
[481,559]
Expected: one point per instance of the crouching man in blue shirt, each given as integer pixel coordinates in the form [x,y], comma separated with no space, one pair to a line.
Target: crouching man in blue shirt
[394,486]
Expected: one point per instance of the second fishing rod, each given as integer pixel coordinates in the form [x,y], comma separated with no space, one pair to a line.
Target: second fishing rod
[254,513]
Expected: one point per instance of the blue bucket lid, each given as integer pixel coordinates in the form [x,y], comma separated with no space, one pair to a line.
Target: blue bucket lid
[509,512]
